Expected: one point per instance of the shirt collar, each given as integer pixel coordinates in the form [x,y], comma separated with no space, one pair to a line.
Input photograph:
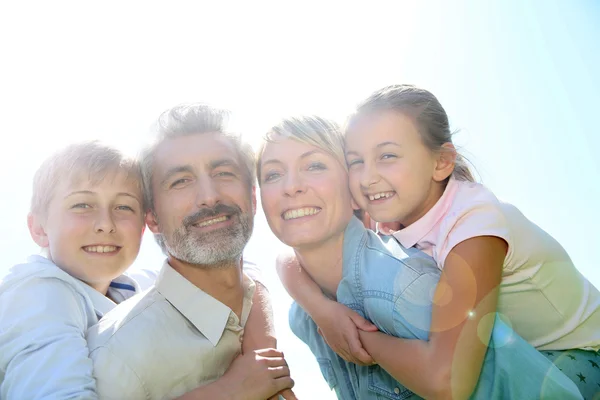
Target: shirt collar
[413,233]
[206,313]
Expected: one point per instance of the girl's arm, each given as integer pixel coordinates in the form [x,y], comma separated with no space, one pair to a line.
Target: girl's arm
[43,350]
[337,323]
[449,364]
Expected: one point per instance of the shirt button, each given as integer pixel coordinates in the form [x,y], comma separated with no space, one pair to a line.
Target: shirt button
[397,390]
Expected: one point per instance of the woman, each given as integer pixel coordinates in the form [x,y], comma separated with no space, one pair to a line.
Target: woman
[305,197]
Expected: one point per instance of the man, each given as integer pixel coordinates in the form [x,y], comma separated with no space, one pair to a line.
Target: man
[183,336]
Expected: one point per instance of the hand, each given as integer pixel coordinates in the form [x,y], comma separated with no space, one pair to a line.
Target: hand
[339,326]
[258,375]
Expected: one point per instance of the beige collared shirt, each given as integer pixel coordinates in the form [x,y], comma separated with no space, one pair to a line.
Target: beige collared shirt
[166,341]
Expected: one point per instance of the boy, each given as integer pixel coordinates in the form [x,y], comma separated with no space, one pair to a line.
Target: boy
[87,214]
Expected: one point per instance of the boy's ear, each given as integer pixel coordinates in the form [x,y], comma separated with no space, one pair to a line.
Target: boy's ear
[445,162]
[151,221]
[36,230]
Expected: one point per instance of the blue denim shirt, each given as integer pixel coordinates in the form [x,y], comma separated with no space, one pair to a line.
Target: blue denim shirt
[393,287]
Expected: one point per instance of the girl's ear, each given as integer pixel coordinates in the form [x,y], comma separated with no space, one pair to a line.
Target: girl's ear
[36,230]
[445,162]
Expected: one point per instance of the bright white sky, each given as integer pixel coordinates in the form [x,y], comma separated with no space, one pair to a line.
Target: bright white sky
[519,79]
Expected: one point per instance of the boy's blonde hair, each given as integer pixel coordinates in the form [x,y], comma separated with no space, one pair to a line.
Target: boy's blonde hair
[91,160]
[310,129]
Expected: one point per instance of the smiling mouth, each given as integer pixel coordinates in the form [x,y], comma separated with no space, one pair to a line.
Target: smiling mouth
[212,221]
[381,195]
[101,249]
[300,212]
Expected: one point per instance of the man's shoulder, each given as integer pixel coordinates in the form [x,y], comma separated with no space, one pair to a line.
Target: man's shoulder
[130,322]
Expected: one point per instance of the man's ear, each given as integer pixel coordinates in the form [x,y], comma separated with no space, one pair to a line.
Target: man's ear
[254,200]
[151,221]
[36,230]
[445,162]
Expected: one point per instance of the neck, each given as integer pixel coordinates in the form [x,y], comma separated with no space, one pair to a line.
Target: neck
[323,262]
[222,281]
[435,193]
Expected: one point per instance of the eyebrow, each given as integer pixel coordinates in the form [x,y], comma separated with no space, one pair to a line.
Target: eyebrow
[303,155]
[380,145]
[89,192]
[223,162]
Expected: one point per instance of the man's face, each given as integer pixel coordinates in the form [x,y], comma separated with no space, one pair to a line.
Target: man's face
[203,205]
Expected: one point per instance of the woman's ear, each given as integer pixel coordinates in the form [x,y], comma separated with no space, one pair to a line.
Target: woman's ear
[445,162]
[35,223]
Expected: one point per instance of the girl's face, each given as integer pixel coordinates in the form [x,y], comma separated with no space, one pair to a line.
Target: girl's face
[303,193]
[392,174]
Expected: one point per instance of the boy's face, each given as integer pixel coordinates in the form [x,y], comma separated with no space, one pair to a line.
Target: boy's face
[93,232]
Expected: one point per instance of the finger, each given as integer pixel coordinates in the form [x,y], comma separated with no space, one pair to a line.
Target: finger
[362,323]
[269,353]
[358,353]
[288,394]
[283,383]
[278,372]
[273,362]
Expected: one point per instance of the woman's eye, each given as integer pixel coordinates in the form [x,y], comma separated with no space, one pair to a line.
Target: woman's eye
[271,176]
[81,205]
[317,166]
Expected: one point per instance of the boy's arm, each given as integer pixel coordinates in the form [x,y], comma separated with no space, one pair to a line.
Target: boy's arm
[42,342]
[337,323]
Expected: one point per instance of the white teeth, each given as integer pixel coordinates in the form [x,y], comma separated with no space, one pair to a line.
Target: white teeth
[100,249]
[377,196]
[300,212]
[212,221]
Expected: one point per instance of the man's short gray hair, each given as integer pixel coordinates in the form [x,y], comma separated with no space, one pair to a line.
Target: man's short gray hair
[193,119]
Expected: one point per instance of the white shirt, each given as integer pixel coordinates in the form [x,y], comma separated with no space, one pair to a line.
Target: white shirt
[44,315]
[542,294]
[166,341]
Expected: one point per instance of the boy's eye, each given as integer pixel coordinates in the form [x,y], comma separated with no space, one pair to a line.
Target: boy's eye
[317,166]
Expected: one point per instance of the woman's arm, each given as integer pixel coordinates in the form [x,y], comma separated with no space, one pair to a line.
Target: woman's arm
[259,332]
[337,323]
[449,364]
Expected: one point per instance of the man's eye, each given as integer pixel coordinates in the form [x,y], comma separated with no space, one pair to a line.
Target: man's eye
[179,182]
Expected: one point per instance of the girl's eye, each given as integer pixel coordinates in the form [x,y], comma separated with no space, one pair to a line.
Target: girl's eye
[388,156]
[356,161]
[125,208]
[317,166]
[271,176]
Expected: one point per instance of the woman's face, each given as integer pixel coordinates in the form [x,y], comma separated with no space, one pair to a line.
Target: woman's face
[304,193]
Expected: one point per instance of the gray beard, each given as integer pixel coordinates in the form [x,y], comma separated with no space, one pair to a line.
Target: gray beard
[208,249]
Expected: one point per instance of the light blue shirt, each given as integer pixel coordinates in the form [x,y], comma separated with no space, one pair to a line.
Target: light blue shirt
[44,316]
[393,287]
